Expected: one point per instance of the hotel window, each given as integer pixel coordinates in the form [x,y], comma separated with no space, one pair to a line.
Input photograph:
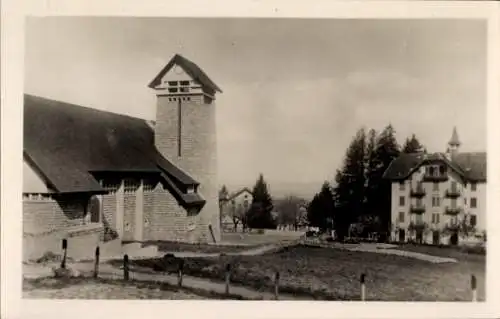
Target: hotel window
[473,202]
[473,187]
[430,170]
[402,186]
[435,186]
[473,220]
[401,217]
[442,170]
[401,201]
[436,201]
[435,218]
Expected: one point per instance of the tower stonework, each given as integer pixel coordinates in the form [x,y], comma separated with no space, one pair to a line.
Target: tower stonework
[185,134]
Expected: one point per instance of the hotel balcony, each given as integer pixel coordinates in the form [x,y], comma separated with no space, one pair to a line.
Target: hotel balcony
[417,209]
[452,210]
[453,193]
[418,191]
[435,178]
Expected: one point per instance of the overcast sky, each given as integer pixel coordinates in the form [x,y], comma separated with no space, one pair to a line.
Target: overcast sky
[295,90]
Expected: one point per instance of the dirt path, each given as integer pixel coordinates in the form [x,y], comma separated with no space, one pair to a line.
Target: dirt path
[110,272]
[384,249]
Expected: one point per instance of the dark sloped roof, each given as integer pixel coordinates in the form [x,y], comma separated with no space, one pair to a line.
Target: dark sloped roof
[471,166]
[238,193]
[191,69]
[67,143]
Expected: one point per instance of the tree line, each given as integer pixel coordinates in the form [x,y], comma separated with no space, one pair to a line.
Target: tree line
[359,193]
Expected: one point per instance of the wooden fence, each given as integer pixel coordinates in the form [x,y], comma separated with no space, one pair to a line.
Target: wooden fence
[276,279]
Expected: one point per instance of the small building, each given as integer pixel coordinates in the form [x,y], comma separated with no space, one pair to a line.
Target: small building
[438,198]
[91,174]
[234,207]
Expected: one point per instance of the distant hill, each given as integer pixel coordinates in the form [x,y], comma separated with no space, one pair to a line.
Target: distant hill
[280,190]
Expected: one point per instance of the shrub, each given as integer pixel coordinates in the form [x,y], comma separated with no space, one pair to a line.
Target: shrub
[48,257]
[109,234]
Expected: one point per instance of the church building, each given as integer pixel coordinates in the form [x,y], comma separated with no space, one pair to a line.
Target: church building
[91,176]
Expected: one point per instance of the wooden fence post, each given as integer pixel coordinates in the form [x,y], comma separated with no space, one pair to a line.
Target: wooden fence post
[276,285]
[96,265]
[228,277]
[363,288]
[181,268]
[65,252]
[473,284]
[125,267]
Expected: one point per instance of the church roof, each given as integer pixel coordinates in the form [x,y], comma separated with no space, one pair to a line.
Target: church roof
[193,70]
[69,145]
[471,166]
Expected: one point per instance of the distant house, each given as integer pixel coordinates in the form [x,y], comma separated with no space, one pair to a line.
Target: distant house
[434,194]
[89,172]
[234,207]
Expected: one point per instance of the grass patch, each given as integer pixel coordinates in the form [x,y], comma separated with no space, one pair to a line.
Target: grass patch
[139,289]
[332,274]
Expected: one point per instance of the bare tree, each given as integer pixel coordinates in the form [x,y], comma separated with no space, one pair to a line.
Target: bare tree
[238,213]
[291,212]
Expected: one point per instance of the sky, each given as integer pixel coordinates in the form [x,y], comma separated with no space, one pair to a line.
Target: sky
[295,91]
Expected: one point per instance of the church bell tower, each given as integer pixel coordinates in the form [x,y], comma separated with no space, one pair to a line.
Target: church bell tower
[185,133]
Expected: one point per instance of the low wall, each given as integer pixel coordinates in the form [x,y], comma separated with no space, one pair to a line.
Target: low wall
[82,242]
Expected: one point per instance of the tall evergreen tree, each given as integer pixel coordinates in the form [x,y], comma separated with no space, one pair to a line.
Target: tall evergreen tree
[413,145]
[386,150]
[320,209]
[259,214]
[371,175]
[350,189]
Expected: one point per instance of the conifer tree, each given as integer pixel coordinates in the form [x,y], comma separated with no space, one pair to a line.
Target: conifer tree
[350,188]
[386,150]
[413,145]
[320,209]
[259,214]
